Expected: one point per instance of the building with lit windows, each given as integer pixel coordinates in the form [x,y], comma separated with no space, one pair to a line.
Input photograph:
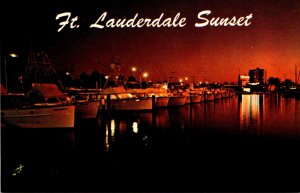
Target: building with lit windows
[257,76]
[244,80]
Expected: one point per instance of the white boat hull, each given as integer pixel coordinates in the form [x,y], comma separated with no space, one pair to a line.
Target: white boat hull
[131,104]
[177,100]
[40,117]
[209,97]
[161,102]
[218,96]
[195,99]
[202,97]
[87,109]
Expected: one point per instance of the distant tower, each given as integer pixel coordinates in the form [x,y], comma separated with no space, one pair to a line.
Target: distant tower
[296,79]
[239,78]
[265,78]
[39,69]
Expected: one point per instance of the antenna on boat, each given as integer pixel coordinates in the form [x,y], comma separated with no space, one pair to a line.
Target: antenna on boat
[114,74]
[173,78]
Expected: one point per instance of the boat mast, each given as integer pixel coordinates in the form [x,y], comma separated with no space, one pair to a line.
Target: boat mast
[39,69]
[114,74]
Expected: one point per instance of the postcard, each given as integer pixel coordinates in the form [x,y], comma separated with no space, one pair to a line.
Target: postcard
[123,95]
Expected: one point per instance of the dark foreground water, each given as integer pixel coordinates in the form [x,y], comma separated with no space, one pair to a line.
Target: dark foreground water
[248,143]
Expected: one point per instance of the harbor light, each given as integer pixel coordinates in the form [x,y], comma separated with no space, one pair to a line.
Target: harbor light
[145,74]
[133,69]
[180,80]
[186,78]
[106,77]
[13,55]
[165,86]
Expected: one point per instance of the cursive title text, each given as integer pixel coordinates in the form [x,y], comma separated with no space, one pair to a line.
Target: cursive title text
[104,21]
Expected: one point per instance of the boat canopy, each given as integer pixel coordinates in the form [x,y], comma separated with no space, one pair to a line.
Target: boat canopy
[45,92]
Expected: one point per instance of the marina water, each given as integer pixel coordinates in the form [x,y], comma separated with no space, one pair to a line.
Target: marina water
[248,142]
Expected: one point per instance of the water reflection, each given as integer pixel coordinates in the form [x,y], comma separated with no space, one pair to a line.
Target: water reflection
[192,138]
[135,127]
[283,117]
[123,129]
[107,137]
[269,114]
[251,113]
[248,114]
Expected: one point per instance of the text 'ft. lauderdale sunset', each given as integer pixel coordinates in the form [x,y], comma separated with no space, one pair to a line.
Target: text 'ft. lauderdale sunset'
[161,21]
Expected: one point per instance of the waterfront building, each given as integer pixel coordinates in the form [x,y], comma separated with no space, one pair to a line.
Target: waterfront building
[244,80]
[257,76]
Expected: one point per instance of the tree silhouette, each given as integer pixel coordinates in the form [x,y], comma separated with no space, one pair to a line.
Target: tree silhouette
[287,83]
[94,79]
[84,77]
[275,82]
[131,79]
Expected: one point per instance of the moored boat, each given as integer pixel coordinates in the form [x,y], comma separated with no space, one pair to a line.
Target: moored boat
[177,98]
[209,96]
[123,100]
[177,101]
[87,104]
[161,95]
[218,94]
[132,104]
[44,106]
[293,92]
[161,101]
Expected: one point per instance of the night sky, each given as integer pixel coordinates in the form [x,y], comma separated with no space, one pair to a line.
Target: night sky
[216,54]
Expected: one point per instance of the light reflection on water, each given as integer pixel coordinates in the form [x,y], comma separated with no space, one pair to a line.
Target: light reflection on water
[270,115]
[281,116]
[254,114]
[135,127]
[259,115]
[251,112]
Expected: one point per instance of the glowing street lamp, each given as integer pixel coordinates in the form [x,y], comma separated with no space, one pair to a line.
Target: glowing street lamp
[133,69]
[13,55]
[145,74]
